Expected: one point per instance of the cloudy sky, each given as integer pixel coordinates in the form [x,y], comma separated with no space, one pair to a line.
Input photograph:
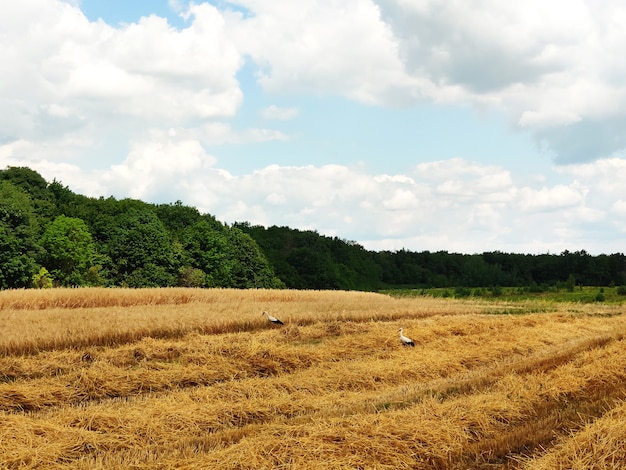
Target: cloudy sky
[466,126]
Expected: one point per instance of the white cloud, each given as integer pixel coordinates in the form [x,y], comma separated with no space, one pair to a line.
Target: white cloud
[158,168]
[549,65]
[323,46]
[134,111]
[177,6]
[278,113]
[457,178]
[608,174]
[552,68]
[380,211]
[63,74]
[619,207]
[551,199]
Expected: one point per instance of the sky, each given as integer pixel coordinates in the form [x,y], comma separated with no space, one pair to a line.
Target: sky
[466,126]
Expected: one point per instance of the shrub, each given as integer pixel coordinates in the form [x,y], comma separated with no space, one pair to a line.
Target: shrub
[42,279]
[496,291]
[462,292]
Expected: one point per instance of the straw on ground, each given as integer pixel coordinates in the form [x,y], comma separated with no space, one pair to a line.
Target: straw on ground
[186,378]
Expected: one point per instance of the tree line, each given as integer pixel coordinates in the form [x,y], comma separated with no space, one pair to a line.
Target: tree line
[50,236]
[307,259]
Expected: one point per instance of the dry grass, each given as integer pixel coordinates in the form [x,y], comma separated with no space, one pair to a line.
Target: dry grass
[38,320]
[599,445]
[184,378]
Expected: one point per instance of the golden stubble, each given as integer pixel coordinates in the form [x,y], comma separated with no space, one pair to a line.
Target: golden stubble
[190,378]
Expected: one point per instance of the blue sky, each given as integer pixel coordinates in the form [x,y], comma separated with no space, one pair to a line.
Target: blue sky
[333,129]
[420,124]
[116,12]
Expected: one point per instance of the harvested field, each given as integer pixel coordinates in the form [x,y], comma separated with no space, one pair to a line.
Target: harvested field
[189,378]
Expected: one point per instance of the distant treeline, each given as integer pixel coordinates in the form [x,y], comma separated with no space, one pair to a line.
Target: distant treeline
[50,236]
[306,259]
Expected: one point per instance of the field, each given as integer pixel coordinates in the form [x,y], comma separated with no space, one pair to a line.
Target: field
[190,378]
[580,294]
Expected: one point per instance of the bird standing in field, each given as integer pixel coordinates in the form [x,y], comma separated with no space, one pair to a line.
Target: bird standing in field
[406,341]
[272,319]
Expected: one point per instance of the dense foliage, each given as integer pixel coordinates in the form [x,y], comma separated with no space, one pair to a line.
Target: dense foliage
[51,236]
[307,259]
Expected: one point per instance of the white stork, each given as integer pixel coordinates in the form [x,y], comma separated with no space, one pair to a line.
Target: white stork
[272,319]
[406,341]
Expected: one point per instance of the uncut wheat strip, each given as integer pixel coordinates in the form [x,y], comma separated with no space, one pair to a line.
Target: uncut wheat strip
[93,297]
[31,331]
[85,297]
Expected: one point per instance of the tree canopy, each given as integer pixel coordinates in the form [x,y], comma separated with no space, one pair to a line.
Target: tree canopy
[48,233]
[52,236]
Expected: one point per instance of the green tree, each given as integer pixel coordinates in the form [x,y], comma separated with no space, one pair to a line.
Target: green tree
[207,250]
[248,267]
[176,217]
[18,240]
[141,251]
[35,186]
[70,250]
[42,279]
[191,277]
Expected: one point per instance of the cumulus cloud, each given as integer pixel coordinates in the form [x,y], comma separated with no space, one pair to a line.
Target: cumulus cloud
[550,65]
[152,163]
[380,211]
[64,74]
[274,112]
[551,199]
[140,110]
[324,46]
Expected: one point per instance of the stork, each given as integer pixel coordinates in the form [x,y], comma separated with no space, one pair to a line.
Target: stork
[272,319]
[406,341]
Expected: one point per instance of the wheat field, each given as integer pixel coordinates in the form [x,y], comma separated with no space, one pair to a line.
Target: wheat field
[197,378]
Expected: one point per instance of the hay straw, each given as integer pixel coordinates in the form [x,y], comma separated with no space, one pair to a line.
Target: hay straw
[180,388]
